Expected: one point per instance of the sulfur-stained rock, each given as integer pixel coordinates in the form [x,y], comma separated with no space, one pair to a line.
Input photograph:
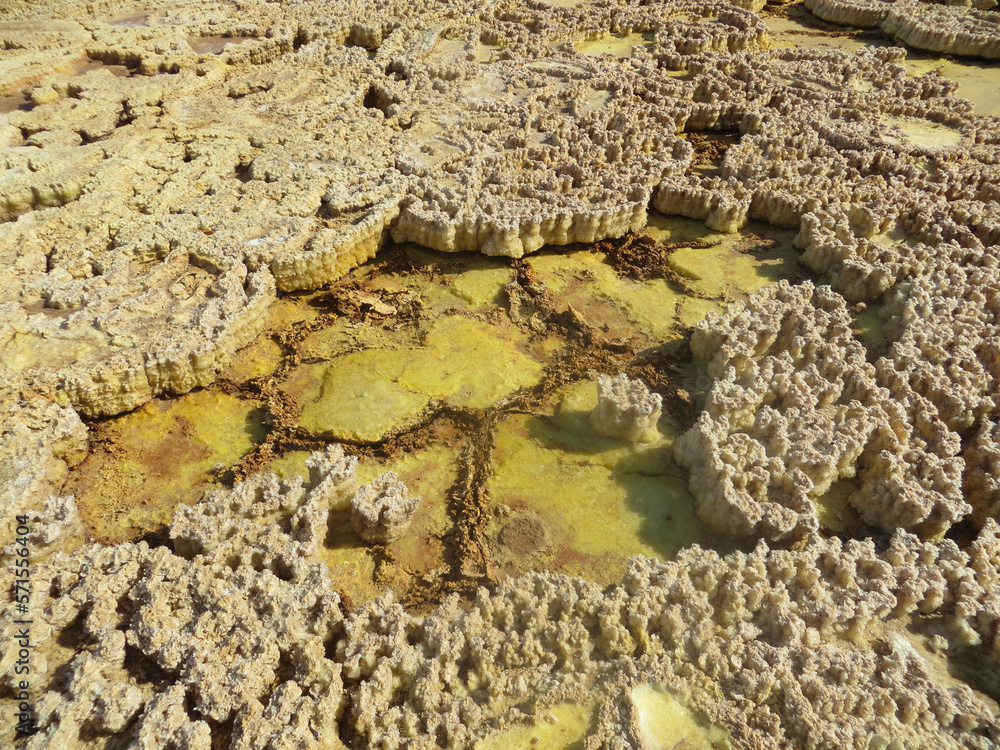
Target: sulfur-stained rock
[164,172]
[982,472]
[157,198]
[39,441]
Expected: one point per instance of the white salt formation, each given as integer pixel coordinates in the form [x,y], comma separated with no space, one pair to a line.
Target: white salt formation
[243,624]
[957,28]
[381,510]
[795,406]
[156,197]
[625,409]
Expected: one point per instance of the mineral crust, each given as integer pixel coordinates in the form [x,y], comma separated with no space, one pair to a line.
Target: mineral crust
[957,28]
[625,409]
[167,172]
[796,406]
[159,191]
[381,510]
[766,644]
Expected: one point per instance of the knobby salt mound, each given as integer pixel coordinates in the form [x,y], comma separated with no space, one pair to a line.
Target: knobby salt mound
[959,28]
[243,627]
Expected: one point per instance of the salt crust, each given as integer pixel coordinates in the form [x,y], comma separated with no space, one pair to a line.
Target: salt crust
[242,624]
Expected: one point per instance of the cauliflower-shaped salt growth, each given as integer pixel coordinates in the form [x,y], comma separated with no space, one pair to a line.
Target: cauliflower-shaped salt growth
[922,240]
[776,635]
[626,409]
[782,421]
[982,472]
[99,696]
[950,28]
[236,633]
[165,723]
[381,510]
[57,518]
[228,633]
[861,13]
[39,441]
[265,519]
[794,407]
[949,346]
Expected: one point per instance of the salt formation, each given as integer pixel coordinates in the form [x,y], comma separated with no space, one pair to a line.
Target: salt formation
[953,28]
[625,409]
[39,441]
[156,196]
[243,601]
[982,472]
[796,406]
[244,629]
[381,510]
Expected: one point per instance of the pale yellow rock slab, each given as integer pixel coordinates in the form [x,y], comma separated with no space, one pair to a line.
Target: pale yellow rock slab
[665,724]
[356,397]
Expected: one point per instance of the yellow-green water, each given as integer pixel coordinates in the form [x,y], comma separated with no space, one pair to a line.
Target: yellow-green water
[618,46]
[357,397]
[721,270]
[585,280]
[436,333]
[567,498]
[367,395]
[428,473]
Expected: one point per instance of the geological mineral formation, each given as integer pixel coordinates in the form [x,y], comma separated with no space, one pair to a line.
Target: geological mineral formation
[175,179]
[157,194]
[959,28]
[381,510]
[242,626]
[625,409]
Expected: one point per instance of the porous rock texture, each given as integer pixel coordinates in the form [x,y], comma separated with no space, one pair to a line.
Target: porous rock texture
[625,409]
[159,187]
[237,638]
[965,27]
[795,406]
[382,509]
[39,441]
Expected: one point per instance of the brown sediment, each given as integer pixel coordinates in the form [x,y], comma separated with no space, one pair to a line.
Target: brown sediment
[709,149]
[525,536]
[471,562]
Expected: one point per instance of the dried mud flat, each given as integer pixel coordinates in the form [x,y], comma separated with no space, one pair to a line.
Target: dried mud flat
[247,243]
